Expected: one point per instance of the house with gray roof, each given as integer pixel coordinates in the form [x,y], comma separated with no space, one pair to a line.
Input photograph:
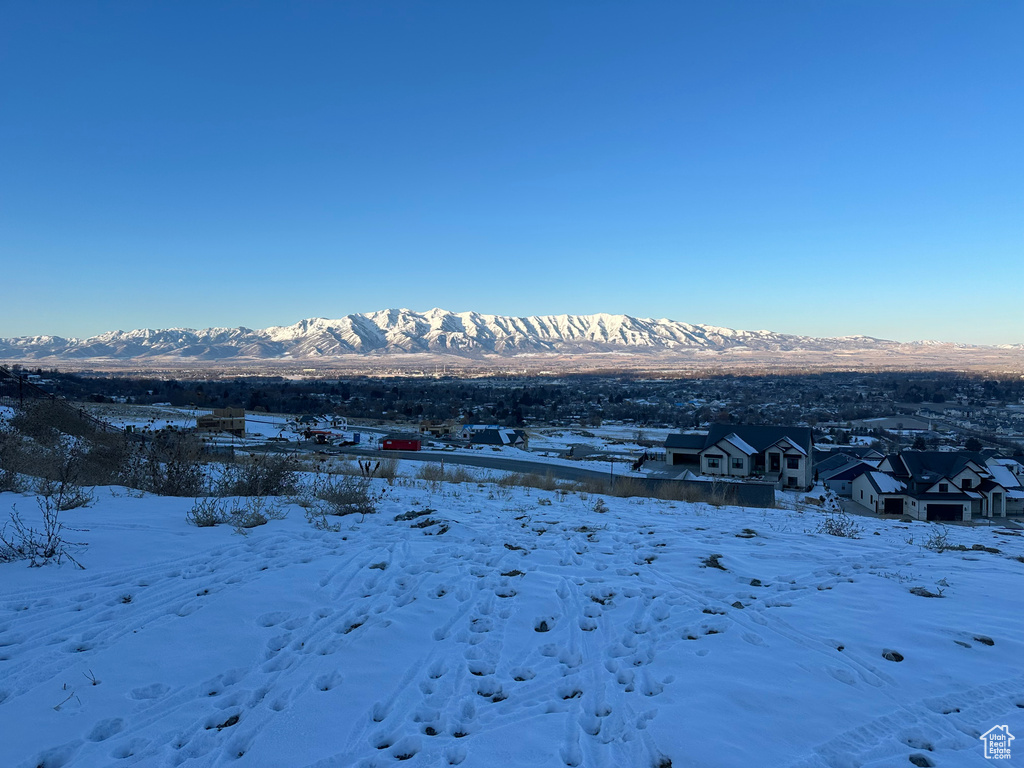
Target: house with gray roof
[779,455]
[937,485]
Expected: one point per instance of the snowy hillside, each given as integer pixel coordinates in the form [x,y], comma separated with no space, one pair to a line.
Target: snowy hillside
[508,628]
[397,331]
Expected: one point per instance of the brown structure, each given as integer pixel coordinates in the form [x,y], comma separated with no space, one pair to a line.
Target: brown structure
[230,420]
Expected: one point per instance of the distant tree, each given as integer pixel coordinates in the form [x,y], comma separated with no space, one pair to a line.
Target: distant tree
[919,444]
[973,444]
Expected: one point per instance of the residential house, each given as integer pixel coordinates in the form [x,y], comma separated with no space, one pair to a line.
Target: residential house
[937,485]
[780,455]
[500,436]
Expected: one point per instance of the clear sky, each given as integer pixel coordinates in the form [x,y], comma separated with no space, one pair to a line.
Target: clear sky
[820,167]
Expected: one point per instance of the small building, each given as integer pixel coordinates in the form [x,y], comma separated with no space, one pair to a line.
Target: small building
[437,429]
[513,438]
[468,430]
[401,443]
[230,420]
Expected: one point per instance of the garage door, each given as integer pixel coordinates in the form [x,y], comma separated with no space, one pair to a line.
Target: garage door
[893,506]
[945,512]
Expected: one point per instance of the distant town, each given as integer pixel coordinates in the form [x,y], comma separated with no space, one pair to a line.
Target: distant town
[929,446]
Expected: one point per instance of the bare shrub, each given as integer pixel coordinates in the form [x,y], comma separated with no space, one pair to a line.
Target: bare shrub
[939,540]
[432,473]
[438,473]
[44,421]
[20,541]
[839,524]
[171,465]
[347,495]
[12,460]
[64,495]
[388,469]
[264,474]
[207,512]
[253,511]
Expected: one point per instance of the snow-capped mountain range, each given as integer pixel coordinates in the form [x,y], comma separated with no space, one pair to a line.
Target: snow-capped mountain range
[402,331]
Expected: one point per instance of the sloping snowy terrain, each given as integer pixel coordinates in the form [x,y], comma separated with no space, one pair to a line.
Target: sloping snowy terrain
[508,628]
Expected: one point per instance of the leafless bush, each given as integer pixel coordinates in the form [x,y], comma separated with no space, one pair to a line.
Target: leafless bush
[263,474]
[208,511]
[438,473]
[939,540]
[64,494]
[432,473]
[20,541]
[54,442]
[170,465]
[347,495]
[839,524]
[12,460]
[253,511]
[546,482]
[45,421]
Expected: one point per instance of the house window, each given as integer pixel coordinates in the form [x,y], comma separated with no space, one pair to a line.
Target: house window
[791,482]
[793,463]
[943,487]
[862,494]
[737,463]
[967,483]
[713,462]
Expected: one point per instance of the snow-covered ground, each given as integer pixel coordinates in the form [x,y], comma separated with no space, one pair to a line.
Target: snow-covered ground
[615,436]
[521,628]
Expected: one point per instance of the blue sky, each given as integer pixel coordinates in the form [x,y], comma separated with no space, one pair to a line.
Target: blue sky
[823,168]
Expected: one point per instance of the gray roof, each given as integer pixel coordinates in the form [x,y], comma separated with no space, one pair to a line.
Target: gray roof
[761,437]
[693,442]
[493,436]
[925,466]
[851,471]
[833,462]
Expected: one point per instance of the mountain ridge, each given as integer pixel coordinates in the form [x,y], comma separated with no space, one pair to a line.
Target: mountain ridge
[439,331]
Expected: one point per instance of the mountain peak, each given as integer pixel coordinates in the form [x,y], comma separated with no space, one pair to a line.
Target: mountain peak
[405,331]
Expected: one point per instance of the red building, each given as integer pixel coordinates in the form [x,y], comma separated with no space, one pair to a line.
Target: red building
[401,443]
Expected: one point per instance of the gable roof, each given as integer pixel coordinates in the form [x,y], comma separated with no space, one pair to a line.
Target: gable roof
[1004,476]
[850,471]
[929,466]
[497,436]
[884,483]
[761,437]
[792,444]
[691,441]
[836,461]
[737,442]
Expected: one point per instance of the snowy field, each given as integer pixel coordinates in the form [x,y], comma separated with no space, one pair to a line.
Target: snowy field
[508,628]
